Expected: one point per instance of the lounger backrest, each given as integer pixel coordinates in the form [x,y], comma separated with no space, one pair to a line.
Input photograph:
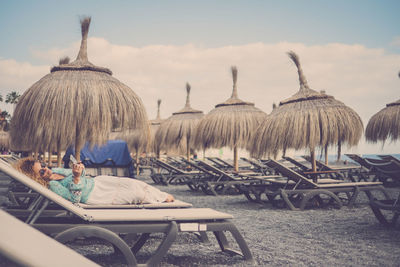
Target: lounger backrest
[358,160]
[214,169]
[216,162]
[389,157]
[322,166]
[225,163]
[168,166]
[295,162]
[197,166]
[47,193]
[289,173]
[391,168]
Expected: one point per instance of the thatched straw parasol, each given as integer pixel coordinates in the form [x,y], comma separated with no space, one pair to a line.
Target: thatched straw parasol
[308,119]
[75,103]
[138,140]
[177,131]
[385,124]
[229,124]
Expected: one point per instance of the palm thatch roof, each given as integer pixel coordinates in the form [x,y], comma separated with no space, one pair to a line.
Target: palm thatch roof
[138,140]
[385,124]
[178,130]
[229,124]
[75,103]
[308,119]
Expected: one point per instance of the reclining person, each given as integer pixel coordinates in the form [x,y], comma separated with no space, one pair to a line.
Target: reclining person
[73,185]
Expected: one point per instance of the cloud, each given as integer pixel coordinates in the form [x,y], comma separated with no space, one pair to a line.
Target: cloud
[363,78]
[396,42]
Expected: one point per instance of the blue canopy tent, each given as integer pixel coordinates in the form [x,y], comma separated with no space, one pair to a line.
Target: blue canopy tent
[114,153]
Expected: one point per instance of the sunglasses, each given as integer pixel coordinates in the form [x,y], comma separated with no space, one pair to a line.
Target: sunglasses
[42,171]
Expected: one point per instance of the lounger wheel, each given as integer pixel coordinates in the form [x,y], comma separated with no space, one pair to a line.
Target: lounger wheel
[315,194]
[101,233]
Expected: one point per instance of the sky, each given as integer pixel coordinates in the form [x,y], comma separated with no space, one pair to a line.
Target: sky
[349,48]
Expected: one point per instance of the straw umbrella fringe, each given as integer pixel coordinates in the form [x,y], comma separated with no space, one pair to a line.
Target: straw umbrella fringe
[137,140]
[308,119]
[385,124]
[75,103]
[154,125]
[177,131]
[229,124]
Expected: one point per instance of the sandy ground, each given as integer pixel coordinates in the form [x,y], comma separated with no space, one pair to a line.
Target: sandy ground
[314,237]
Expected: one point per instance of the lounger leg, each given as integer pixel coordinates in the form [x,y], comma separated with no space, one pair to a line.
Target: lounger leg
[316,192]
[224,245]
[353,197]
[203,237]
[98,232]
[379,215]
[285,197]
[211,189]
[165,245]
[139,244]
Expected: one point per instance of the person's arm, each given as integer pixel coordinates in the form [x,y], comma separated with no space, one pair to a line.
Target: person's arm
[76,186]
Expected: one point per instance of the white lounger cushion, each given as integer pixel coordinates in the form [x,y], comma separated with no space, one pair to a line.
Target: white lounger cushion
[74,208]
[164,205]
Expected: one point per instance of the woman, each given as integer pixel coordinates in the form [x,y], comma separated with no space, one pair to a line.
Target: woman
[73,185]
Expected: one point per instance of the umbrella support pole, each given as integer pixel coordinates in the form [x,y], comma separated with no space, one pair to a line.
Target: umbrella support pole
[137,163]
[314,167]
[187,149]
[326,155]
[235,159]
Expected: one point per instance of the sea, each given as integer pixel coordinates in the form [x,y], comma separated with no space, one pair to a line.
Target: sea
[333,158]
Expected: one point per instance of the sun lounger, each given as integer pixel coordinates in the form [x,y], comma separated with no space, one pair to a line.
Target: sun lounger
[389,158]
[165,173]
[323,172]
[350,172]
[228,182]
[297,190]
[259,166]
[228,166]
[25,246]
[220,163]
[388,172]
[298,164]
[68,221]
